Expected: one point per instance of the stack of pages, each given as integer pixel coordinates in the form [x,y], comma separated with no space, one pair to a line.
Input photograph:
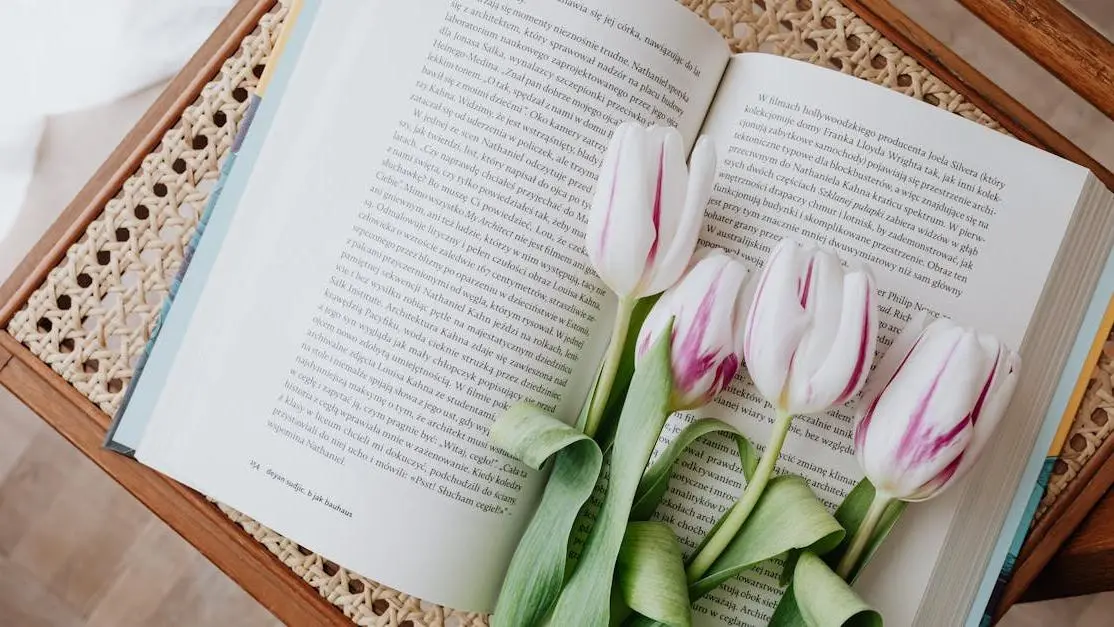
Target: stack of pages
[405,221]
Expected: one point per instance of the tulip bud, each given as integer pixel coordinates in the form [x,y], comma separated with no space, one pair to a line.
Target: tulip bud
[811,331]
[706,307]
[648,209]
[931,406]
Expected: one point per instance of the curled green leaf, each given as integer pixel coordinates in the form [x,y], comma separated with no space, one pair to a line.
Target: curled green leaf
[850,514]
[787,517]
[537,569]
[656,480]
[825,600]
[650,574]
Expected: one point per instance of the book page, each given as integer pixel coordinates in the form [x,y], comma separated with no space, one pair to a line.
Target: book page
[406,260]
[953,218]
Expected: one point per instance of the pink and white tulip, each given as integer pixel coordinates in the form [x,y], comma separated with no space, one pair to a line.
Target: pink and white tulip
[931,406]
[812,329]
[707,309]
[648,209]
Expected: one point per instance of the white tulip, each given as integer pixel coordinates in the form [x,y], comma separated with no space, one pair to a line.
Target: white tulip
[931,406]
[642,229]
[811,330]
[648,209]
[927,412]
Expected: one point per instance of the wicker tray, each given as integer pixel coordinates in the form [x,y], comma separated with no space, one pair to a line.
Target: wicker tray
[90,316]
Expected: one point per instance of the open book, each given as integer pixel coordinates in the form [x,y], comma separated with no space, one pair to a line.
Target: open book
[398,255]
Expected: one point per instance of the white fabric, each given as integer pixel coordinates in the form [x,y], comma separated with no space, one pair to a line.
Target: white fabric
[58,56]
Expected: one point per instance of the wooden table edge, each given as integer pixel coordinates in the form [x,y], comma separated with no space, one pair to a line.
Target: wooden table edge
[972,84]
[1059,40]
[1085,564]
[197,520]
[188,513]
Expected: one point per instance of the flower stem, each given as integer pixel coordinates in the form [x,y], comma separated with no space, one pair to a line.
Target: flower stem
[863,534]
[729,526]
[602,391]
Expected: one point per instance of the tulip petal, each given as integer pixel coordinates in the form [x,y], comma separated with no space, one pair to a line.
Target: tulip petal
[935,485]
[672,177]
[707,333]
[863,419]
[935,411]
[739,319]
[683,215]
[705,347]
[776,322]
[895,355]
[694,366]
[821,295]
[867,338]
[603,201]
[629,231]
[847,363]
[990,409]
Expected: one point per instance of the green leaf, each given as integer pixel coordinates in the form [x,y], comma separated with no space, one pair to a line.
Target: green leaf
[650,574]
[786,576]
[586,598]
[656,480]
[827,600]
[787,517]
[850,514]
[787,613]
[537,569]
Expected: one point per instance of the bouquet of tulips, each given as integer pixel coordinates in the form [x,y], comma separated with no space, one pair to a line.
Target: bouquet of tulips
[683,330]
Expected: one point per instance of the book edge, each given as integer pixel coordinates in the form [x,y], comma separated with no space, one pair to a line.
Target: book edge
[1027,496]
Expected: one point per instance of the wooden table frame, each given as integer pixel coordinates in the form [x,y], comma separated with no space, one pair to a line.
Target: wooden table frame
[1053,36]
[197,520]
[1071,551]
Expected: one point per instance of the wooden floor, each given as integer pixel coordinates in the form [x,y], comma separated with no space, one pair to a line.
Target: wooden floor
[76,550]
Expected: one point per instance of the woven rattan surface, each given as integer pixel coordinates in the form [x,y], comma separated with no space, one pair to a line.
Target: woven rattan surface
[91,318]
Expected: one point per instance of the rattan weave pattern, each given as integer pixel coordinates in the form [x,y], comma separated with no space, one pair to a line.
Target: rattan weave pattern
[1092,425]
[92,316]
